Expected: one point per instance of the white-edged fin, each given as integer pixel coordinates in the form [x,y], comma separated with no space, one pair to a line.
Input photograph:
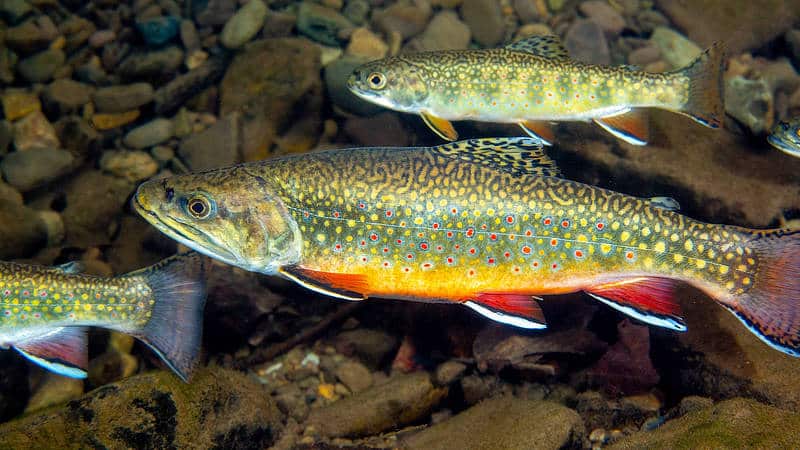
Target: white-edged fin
[442,127]
[540,131]
[632,126]
[668,203]
[332,284]
[651,319]
[503,317]
[545,46]
[71,267]
[62,350]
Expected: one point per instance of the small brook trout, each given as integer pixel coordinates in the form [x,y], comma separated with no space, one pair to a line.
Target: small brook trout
[486,223]
[532,82]
[44,311]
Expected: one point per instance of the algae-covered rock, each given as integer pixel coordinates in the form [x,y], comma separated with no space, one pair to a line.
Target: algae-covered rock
[736,423]
[505,422]
[403,400]
[219,408]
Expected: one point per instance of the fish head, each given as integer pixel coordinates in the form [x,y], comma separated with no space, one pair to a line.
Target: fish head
[227,214]
[396,83]
[785,137]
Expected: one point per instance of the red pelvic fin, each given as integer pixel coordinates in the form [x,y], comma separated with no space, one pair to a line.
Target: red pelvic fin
[348,286]
[539,130]
[632,127]
[62,350]
[513,309]
[649,299]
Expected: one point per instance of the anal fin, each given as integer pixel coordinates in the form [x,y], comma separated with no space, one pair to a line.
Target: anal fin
[649,299]
[441,127]
[512,309]
[62,350]
[340,285]
[539,130]
[632,127]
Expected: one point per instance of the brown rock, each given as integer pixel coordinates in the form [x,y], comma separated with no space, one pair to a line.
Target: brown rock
[708,21]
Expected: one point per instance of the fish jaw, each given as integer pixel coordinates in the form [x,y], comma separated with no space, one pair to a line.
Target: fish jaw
[785,137]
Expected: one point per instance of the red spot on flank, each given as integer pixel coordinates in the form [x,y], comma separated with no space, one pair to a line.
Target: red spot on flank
[554,242]
[439,248]
[363,259]
[362,205]
[435,226]
[420,234]
[403,223]
[554,266]
[457,246]
[43,294]
[26,293]
[578,254]
[399,242]
[547,221]
[490,260]
[373,237]
[449,260]
[493,236]
[406,269]
[427,265]
[363,243]
[449,234]
[565,223]
[385,249]
[470,232]
[471,272]
[388,214]
[8,313]
[6,292]
[453,210]
[528,233]
[483,227]
[600,225]
[509,219]
[22,316]
[71,315]
[423,246]
[526,250]
[629,255]
[386,264]
[409,256]
[507,254]
[37,315]
[592,97]
[336,214]
[337,246]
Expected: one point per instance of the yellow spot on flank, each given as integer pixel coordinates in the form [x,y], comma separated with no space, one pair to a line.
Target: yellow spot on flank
[57,309]
[688,245]
[723,270]
[321,237]
[746,281]
[645,231]
[674,237]
[678,258]
[605,248]
[701,263]
[87,306]
[624,236]
[660,247]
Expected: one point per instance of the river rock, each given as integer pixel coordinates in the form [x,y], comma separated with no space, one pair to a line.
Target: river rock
[15,10]
[122,98]
[750,102]
[406,17]
[214,12]
[384,129]
[505,422]
[244,25]
[356,11]
[152,64]
[402,400]
[278,24]
[22,237]
[65,95]
[76,30]
[35,167]
[93,201]
[336,75]
[320,23]
[131,165]
[6,136]
[735,423]
[34,131]
[372,347]
[217,146]
[158,30]
[219,408]
[54,390]
[171,96]
[609,19]
[586,42]
[32,35]
[149,134]
[709,21]
[19,103]
[485,19]
[40,67]
[354,375]
[366,44]
[272,82]
[445,32]
[675,48]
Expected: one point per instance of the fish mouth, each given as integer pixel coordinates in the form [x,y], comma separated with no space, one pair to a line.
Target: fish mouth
[209,247]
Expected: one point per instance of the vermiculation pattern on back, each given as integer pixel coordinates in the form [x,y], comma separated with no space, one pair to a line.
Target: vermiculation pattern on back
[403,213]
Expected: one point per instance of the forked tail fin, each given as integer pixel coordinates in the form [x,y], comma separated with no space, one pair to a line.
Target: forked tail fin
[175,327]
[771,306]
[705,92]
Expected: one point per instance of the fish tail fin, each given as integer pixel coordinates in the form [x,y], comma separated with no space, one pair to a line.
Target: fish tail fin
[705,91]
[771,306]
[174,330]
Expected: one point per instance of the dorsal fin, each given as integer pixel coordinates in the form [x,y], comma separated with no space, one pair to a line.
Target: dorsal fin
[544,46]
[515,155]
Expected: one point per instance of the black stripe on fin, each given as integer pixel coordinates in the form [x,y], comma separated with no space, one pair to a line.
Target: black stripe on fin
[515,155]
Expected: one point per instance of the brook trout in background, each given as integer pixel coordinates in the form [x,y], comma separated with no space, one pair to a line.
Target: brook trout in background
[785,136]
[44,311]
[484,223]
[532,82]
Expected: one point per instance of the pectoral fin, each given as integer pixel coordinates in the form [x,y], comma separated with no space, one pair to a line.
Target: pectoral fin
[62,350]
[648,299]
[340,285]
[440,126]
[632,127]
[512,309]
[539,130]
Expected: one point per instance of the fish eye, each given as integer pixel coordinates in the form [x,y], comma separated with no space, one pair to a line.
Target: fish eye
[376,80]
[200,207]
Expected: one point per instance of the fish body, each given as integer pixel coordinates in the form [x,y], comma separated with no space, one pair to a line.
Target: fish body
[44,311]
[785,136]
[532,82]
[486,223]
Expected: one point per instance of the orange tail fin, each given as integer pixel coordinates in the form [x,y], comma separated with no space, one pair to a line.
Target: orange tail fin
[705,102]
[771,307]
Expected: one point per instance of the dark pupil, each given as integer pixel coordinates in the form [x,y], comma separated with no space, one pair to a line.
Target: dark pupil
[375,80]
[170,194]
[198,207]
